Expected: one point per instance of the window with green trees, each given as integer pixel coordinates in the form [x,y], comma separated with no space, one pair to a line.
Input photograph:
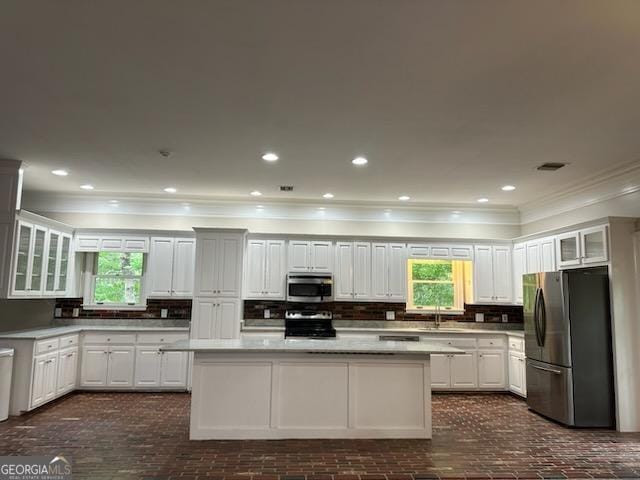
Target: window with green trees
[435,284]
[118,278]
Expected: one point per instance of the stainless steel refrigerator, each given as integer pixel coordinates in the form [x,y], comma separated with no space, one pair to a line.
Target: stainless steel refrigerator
[568,346]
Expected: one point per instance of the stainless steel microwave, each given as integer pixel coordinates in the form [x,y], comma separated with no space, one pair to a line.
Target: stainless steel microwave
[310,287]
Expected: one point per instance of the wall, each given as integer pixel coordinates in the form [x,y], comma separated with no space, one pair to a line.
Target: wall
[22,314]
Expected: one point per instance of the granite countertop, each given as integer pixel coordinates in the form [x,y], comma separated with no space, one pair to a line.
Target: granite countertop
[258,345]
[36,334]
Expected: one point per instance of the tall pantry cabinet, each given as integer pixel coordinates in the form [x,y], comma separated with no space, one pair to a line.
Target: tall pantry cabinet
[217,305]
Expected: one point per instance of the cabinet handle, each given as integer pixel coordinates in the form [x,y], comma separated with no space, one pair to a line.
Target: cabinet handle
[106,353]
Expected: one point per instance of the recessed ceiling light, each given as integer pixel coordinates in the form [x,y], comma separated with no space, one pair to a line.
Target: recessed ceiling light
[508,188]
[255,193]
[270,157]
[170,190]
[360,161]
[186,204]
[114,201]
[404,198]
[321,208]
[60,172]
[328,195]
[456,212]
[483,200]
[86,187]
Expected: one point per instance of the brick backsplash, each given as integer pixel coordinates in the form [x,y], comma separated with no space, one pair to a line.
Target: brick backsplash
[377,311]
[178,309]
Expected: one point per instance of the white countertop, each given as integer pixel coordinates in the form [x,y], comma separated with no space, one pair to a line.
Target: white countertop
[279,345]
[36,334]
[405,331]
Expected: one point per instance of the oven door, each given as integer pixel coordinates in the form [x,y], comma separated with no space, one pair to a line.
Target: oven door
[309,290]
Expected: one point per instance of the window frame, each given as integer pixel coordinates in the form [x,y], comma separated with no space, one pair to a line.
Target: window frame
[458,283]
[90,274]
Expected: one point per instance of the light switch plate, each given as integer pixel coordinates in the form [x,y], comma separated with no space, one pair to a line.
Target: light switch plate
[479,317]
[505,318]
[57,312]
[391,315]
[164,312]
[76,312]
[267,313]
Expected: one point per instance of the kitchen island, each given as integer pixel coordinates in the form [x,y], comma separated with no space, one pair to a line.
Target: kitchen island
[300,388]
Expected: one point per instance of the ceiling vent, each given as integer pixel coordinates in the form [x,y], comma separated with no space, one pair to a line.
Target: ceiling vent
[551,167]
[286,188]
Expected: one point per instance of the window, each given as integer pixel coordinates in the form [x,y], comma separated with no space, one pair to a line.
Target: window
[117,278]
[434,284]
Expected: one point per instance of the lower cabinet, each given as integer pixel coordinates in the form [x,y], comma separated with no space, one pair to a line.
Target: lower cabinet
[216,318]
[454,371]
[67,370]
[517,369]
[491,370]
[155,369]
[45,372]
[107,366]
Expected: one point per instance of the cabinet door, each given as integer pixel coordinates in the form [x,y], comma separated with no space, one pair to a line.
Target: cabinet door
[322,256]
[67,370]
[299,256]
[206,283]
[184,254]
[22,258]
[51,263]
[203,321]
[256,269]
[548,254]
[50,376]
[440,371]
[148,365]
[502,273]
[568,249]
[343,275]
[229,265]
[464,371]
[228,319]
[397,272]
[594,245]
[515,373]
[533,257]
[37,264]
[62,285]
[95,361]
[483,274]
[491,370]
[379,271]
[37,386]
[362,270]
[174,369]
[160,271]
[519,269]
[274,286]
[121,362]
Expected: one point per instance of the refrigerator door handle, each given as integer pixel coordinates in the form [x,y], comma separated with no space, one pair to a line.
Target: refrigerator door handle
[557,372]
[535,317]
[543,318]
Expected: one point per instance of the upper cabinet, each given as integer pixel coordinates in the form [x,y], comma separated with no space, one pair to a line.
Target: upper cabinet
[265,269]
[492,274]
[310,256]
[171,265]
[582,247]
[219,264]
[41,262]
[389,272]
[352,274]
[541,255]
[440,251]
[519,266]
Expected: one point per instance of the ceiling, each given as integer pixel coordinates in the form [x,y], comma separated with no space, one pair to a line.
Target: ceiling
[449,100]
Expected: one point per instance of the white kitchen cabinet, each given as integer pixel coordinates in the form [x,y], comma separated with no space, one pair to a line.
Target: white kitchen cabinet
[533,257]
[29,263]
[171,266]
[454,371]
[219,264]
[217,318]
[265,269]
[44,378]
[493,274]
[67,370]
[108,366]
[173,371]
[95,361]
[491,369]
[352,276]
[568,249]
[111,242]
[516,373]
[310,256]
[156,369]
[519,269]
[440,371]
[548,254]
[389,271]
[440,251]
[582,247]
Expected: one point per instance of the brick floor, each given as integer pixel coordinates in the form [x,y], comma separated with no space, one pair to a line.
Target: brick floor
[135,435]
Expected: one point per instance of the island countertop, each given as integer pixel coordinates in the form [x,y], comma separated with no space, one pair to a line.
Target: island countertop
[279,345]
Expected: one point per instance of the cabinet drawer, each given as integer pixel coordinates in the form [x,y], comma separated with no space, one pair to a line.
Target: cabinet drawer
[464,343]
[491,342]
[48,345]
[161,338]
[516,344]
[69,341]
[110,338]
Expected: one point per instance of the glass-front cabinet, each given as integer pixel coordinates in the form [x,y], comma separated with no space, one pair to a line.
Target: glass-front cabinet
[582,247]
[22,259]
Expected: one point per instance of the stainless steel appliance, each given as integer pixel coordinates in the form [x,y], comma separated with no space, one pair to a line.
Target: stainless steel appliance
[568,346]
[308,324]
[310,287]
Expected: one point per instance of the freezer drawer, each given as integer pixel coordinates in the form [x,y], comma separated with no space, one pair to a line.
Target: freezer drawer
[550,391]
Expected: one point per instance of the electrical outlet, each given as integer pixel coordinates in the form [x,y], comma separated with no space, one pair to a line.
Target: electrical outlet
[505,318]
[267,313]
[391,315]
[76,312]
[479,317]
[57,312]
[164,312]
